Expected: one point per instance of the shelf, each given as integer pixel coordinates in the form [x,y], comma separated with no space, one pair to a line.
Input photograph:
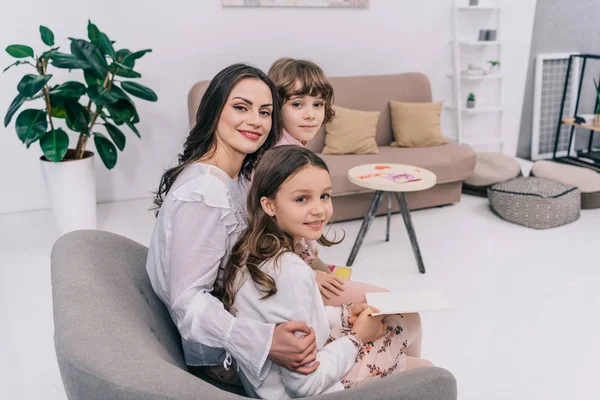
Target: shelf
[571,121]
[466,42]
[476,110]
[478,77]
[477,8]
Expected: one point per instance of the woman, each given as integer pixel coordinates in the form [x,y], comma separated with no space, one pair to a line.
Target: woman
[200,213]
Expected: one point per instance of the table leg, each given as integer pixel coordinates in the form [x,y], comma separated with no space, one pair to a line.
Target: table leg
[364,228]
[389,217]
[410,229]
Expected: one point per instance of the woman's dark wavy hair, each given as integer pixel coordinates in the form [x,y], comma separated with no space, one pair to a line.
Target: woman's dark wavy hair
[201,141]
[264,239]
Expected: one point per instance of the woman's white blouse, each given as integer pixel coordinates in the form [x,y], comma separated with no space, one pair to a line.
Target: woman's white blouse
[297,299]
[198,224]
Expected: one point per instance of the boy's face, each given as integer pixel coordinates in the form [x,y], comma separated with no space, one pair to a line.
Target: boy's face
[303,116]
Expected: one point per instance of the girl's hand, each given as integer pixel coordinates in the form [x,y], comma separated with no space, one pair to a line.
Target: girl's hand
[329,285]
[368,328]
[355,311]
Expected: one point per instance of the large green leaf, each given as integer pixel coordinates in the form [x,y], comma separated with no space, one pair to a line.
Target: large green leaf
[47,36]
[59,106]
[31,84]
[122,111]
[54,144]
[78,118]
[69,61]
[122,70]
[31,125]
[122,54]
[134,56]
[69,89]
[116,135]
[101,96]
[141,91]
[100,40]
[133,128]
[106,150]
[88,52]
[19,51]
[122,95]
[12,109]
[91,80]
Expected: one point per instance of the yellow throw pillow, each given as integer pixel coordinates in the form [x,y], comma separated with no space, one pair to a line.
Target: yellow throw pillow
[351,132]
[417,124]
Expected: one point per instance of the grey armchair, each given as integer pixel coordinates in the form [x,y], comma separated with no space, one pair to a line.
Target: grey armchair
[114,339]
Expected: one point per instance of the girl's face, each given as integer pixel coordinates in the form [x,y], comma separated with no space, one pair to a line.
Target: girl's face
[303,116]
[245,121]
[302,206]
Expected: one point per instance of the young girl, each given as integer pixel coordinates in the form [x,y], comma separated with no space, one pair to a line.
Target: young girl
[201,212]
[290,199]
[308,100]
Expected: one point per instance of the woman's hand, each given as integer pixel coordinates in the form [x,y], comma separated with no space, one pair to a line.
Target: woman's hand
[368,328]
[292,352]
[329,285]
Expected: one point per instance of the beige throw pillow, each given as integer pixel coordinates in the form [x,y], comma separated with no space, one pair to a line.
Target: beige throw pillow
[417,124]
[351,132]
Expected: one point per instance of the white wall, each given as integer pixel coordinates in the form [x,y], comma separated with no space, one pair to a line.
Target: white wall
[193,39]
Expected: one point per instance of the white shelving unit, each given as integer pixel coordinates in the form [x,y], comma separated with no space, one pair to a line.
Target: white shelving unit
[465,45]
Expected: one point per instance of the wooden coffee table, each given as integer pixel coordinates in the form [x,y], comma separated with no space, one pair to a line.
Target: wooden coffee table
[390,179]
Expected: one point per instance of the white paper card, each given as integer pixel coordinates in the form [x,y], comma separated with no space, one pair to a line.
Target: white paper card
[408,302]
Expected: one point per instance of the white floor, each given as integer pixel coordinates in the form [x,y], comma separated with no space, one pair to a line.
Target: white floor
[528,300]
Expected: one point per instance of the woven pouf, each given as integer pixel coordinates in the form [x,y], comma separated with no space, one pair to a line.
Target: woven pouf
[490,169]
[534,202]
[586,180]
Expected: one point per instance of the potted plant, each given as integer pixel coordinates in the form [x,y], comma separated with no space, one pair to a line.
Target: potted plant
[471,100]
[98,102]
[494,66]
[597,107]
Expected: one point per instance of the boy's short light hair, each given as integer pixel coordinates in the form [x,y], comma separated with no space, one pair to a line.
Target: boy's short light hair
[296,77]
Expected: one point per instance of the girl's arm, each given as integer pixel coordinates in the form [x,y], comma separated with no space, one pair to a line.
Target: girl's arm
[298,299]
[198,244]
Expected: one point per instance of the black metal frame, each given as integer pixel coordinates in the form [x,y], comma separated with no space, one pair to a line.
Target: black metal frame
[366,224]
[581,160]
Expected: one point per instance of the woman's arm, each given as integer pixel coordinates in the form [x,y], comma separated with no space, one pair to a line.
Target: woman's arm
[198,244]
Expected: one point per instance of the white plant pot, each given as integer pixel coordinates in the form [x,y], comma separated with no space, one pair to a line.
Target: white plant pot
[71,187]
[495,70]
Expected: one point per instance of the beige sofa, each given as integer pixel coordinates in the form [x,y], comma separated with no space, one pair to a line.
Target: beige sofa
[450,162]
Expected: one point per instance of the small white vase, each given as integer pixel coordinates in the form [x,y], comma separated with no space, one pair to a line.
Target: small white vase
[71,187]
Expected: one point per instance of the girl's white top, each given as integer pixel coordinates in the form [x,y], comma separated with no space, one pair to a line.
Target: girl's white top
[297,299]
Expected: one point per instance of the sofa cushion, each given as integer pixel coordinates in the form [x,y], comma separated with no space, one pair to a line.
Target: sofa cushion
[450,162]
[373,93]
[586,180]
[351,132]
[417,124]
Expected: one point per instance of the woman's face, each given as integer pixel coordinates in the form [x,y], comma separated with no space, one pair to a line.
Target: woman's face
[245,121]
